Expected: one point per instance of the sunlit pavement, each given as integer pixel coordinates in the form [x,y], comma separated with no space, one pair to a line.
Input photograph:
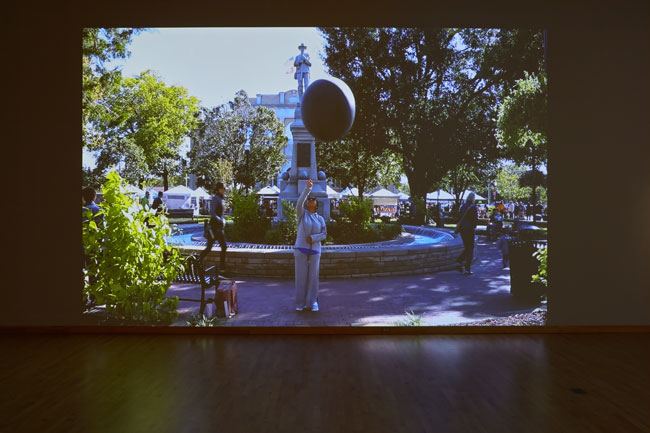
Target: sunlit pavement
[437,299]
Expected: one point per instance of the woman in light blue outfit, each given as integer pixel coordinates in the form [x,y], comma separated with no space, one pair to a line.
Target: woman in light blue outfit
[311,231]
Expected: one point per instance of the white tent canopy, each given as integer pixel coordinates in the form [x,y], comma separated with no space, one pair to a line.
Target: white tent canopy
[178,197]
[384,197]
[403,197]
[331,193]
[200,193]
[178,190]
[476,196]
[347,192]
[439,195]
[268,191]
[383,192]
[130,189]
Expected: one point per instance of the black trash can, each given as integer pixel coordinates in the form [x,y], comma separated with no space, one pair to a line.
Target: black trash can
[523,265]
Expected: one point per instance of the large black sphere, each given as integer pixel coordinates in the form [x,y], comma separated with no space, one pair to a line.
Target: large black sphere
[328,109]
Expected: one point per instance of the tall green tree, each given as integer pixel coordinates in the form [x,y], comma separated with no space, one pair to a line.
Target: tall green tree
[145,124]
[222,135]
[430,95]
[523,124]
[353,162]
[523,116]
[507,183]
[464,177]
[99,46]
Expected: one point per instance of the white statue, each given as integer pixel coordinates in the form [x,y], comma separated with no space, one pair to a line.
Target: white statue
[302,65]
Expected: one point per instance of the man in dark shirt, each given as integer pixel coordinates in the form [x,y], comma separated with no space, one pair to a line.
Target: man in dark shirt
[157,204]
[466,226]
[217,224]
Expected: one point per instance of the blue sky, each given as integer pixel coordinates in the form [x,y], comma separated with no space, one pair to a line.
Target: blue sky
[214,63]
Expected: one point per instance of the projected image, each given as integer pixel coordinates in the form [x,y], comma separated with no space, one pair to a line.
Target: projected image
[314,177]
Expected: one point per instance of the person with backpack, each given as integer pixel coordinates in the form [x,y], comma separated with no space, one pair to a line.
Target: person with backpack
[466,226]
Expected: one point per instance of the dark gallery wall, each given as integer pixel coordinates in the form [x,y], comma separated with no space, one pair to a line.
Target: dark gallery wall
[598,157]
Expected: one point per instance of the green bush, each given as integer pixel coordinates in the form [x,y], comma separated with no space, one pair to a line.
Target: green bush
[354,226]
[248,224]
[343,233]
[274,236]
[541,276]
[130,266]
[356,212]
[289,225]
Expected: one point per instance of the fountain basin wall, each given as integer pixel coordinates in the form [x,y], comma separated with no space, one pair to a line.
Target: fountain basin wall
[403,257]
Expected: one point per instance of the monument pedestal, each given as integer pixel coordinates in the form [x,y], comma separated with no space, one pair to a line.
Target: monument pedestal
[303,168]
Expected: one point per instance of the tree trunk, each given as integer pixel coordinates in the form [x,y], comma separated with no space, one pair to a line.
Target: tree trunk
[418,193]
[165,175]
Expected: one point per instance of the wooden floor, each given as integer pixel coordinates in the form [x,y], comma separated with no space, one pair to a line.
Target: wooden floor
[202,383]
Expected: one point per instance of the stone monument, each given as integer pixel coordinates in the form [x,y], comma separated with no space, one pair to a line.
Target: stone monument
[303,160]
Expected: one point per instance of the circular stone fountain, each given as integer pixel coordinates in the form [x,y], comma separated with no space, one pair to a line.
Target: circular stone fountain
[418,250]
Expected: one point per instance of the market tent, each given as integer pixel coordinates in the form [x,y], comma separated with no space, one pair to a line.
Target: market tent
[439,195]
[349,192]
[200,193]
[134,190]
[383,197]
[268,191]
[177,197]
[331,193]
[476,196]
[403,197]
[195,199]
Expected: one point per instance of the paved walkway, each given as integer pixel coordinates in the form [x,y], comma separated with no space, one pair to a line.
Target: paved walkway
[440,299]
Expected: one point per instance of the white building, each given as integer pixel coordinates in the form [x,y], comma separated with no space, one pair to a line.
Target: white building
[284,106]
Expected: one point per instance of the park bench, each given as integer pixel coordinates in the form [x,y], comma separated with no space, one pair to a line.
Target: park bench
[194,273]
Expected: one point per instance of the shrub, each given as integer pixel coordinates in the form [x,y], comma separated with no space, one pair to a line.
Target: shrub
[274,236]
[411,319]
[541,276]
[248,224]
[289,225]
[356,212]
[130,266]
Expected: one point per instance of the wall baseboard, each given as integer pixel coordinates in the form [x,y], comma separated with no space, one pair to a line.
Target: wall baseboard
[331,330]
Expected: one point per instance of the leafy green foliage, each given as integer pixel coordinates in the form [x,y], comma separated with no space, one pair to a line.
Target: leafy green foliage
[144,126]
[411,319]
[523,116]
[98,47]
[429,95]
[353,162]
[202,321]
[289,225]
[542,275]
[354,226]
[131,266]
[248,224]
[356,211]
[222,134]
[507,181]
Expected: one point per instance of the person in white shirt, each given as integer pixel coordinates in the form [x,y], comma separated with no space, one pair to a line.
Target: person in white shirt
[311,231]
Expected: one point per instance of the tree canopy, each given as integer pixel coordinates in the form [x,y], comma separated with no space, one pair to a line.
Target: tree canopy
[145,124]
[222,134]
[98,47]
[523,116]
[430,95]
[352,162]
